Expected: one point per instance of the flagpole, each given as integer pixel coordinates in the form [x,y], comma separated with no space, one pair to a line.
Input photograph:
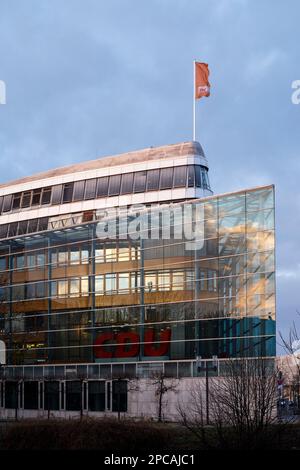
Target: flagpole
[194,102]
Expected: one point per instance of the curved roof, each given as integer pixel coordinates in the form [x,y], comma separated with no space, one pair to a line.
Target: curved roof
[151,153]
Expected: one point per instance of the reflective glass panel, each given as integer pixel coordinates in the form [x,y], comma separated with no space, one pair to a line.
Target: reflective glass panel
[102,186]
[114,185]
[153,180]
[140,181]
[127,183]
[166,178]
[180,176]
[90,189]
[79,187]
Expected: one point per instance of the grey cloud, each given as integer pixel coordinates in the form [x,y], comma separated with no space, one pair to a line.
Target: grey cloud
[90,78]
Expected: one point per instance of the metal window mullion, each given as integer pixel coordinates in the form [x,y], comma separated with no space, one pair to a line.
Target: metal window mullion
[92,280]
[49,252]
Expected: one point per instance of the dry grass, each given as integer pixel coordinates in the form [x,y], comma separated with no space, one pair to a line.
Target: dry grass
[91,434]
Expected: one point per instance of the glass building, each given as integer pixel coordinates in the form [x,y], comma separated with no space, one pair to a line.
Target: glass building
[136,268]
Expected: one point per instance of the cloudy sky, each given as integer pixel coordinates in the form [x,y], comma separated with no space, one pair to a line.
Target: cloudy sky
[89,78]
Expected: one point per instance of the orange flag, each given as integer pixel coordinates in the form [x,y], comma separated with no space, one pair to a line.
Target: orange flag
[202,85]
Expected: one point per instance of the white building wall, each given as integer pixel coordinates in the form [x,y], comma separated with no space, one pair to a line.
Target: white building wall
[142,402]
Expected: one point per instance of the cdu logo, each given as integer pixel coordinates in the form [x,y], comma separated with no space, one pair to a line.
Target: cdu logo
[2,92]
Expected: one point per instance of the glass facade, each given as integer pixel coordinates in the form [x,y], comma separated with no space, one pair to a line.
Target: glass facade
[142,295]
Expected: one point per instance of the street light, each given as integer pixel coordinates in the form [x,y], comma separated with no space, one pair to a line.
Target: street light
[202,366]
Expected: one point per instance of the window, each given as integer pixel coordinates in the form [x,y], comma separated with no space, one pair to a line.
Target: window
[198,176]
[110,282]
[78,193]
[3,230]
[127,183]
[46,195]
[164,281]
[179,176]
[11,395]
[32,225]
[18,292]
[16,201]
[99,285]
[90,189]
[22,228]
[96,395]
[31,395]
[31,261]
[119,395]
[153,180]
[53,289]
[140,181]
[51,395]
[212,281]
[124,254]
[3,296]
[99,255]
[43,223]
[20,261]
[26,199]
[191,176]
[40,290]
[7,201]
[102,186]
[56,194]
[74,286]
[30,291]
[85,255]
[84,285]
[123,283]
[54,258]
[190,278]
[62,256]
[73,396]
[166,178]
[68,192]
[3,263]
[114,185]
[36,197]
[178,280]
[75,256]
[205,182]
[13,227]
[110,254]
[203,280]
[62,288]
[40,260]
[150,282]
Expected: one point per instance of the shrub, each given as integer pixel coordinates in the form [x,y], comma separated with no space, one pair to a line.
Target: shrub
[106,434]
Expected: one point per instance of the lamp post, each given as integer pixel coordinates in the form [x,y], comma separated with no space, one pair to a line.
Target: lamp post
[203,366]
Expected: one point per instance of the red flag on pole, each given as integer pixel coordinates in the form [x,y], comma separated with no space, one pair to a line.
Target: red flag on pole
[202,85]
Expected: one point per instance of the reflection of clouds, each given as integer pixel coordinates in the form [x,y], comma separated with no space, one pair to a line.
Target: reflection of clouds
[258,299]
[261,302]
[261,241]
[260,286]
[231,229]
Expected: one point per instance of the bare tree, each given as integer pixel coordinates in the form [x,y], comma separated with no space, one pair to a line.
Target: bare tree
[163,385]
[242,405]
[291,344]
[192,414]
